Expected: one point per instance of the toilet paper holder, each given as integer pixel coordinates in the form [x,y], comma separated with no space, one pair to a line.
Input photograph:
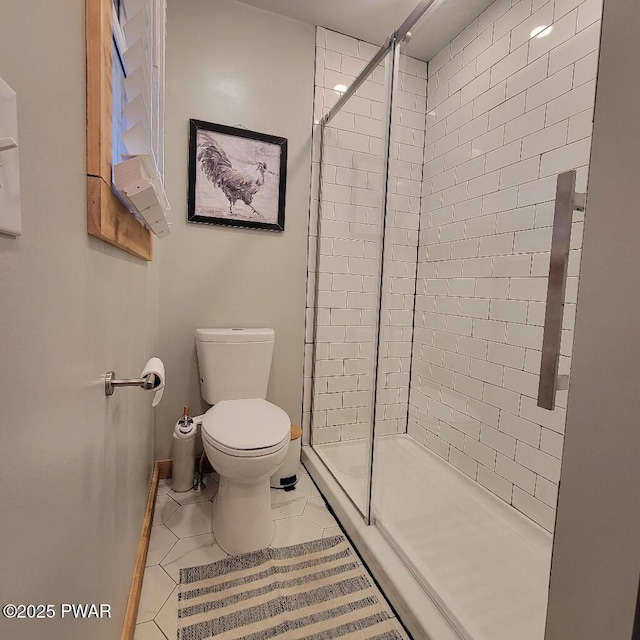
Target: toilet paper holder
[149,382]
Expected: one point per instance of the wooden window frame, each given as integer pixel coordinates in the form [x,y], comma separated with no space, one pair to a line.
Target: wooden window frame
[107,218]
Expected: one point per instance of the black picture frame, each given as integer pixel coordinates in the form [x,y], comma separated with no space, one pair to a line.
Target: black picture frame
[237,177]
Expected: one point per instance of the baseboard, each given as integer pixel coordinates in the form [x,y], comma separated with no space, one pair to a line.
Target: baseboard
[133,600]
[164,469]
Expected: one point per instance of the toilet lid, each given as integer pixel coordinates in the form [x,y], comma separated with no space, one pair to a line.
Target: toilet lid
[246,425]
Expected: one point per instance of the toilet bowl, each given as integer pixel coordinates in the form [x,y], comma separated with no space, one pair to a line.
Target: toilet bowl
[245,437]
[245,440]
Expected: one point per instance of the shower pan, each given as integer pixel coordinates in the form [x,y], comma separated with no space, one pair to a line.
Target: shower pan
[450,199]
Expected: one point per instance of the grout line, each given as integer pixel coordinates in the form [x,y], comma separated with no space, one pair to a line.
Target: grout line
[172,580]
[160,630]
[163,604]
[168,552]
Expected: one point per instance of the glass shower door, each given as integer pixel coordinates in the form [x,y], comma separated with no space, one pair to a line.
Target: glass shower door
[352,176]
[399,271]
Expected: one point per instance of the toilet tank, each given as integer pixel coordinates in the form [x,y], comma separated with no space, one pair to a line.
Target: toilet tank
[234,364]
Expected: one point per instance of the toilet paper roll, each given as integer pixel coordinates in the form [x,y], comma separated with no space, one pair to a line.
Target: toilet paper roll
[155,366]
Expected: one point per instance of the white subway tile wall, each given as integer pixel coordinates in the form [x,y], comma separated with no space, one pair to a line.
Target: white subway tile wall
[506,112]
[350,244]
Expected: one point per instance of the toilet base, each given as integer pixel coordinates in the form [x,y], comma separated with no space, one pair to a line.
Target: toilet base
[242,518]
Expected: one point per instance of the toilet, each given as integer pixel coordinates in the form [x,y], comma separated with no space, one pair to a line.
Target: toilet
[245,437]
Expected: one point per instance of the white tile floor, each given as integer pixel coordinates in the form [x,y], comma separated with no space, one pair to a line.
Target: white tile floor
[182,536]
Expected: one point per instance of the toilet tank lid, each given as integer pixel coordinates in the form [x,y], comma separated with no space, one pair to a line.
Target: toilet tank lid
[235,335]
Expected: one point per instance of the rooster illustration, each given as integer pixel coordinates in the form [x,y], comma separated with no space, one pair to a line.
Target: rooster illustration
[234,184]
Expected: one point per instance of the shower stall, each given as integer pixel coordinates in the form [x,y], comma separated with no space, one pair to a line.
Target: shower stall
[444,261]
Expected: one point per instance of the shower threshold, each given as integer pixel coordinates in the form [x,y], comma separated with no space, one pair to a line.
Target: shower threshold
[481,565]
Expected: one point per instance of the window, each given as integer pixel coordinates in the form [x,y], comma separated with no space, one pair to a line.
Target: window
[125,77]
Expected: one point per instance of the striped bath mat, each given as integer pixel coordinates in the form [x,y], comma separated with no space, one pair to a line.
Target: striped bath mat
[310,591]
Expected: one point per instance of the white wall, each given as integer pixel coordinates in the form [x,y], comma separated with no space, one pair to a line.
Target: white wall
[596,556]
[233,64]
[505,114]
[74,464]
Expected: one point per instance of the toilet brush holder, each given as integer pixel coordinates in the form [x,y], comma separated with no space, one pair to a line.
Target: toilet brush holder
[183,451]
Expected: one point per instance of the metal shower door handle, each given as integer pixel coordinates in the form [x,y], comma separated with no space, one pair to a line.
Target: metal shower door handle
[567,201]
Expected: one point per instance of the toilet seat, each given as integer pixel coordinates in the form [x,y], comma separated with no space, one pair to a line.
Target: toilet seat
[246,428]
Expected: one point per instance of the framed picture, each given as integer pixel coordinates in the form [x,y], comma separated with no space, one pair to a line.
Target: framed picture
[236,177]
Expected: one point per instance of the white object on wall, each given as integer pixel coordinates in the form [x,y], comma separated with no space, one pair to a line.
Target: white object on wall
[10,214]
[138,182]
